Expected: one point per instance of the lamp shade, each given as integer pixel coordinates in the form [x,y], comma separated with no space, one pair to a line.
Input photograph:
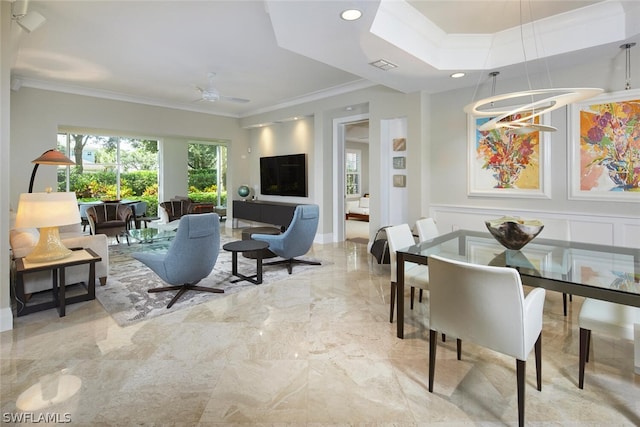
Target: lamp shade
[53,157]
[37,210]
[49,157]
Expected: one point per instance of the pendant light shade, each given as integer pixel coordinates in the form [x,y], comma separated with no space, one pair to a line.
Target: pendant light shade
[519,113]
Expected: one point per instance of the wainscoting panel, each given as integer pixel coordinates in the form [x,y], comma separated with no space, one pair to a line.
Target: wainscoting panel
[589,228]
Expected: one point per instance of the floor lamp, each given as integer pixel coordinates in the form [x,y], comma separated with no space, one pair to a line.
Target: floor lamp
[49,157]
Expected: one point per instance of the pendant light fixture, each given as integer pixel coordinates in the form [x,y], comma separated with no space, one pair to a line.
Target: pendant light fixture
[627,69]
[532,104]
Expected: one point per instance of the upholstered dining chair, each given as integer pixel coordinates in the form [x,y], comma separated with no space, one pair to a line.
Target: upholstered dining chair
[139,210]
[173,210]
[84,220]
[112,219]
[297,238]
[605,317]
[485,305]
[190,258]
[558,229]
[415,275]
[427,230]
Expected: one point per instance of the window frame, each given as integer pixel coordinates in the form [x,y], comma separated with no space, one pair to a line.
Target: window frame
[357,173]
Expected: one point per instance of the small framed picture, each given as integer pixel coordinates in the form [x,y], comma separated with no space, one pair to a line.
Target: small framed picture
[399,144]
[399,180]
[399,163]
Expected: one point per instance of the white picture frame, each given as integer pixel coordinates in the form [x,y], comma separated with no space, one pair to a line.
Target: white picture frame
[591,154]
[482,178]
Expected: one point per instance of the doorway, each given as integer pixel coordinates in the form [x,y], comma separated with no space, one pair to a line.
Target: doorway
[351,175]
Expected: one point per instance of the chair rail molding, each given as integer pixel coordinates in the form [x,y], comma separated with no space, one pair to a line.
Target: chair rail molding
[605,229]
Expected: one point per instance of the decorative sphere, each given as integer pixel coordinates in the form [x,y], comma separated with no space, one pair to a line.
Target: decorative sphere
[514,233]
[244,191]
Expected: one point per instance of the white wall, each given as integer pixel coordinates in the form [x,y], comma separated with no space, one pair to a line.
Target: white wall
[449,149]
[613,222]
[6,316]
[174,173]
[36,116]
[381,104]
[291,137]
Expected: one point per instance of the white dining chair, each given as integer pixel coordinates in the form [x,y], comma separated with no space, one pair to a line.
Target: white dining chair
[415,275]
[607,318]
[427,229]
[558,229]
[485,305]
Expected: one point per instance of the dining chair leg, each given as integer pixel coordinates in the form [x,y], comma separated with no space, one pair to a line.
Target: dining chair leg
[459,348]
[521,369]
[585,337]
[413,293]
[538,352]
[392,301]
[564,304]
[433,341]
[420,296]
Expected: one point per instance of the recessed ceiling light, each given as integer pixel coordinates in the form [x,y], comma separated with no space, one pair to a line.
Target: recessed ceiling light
[457,75]
[351,14]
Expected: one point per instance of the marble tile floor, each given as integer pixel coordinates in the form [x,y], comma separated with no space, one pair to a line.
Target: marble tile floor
[314,350]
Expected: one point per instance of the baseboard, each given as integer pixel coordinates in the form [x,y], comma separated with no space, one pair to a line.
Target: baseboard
[6,319]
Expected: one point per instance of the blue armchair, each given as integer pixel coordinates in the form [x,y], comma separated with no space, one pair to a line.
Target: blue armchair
[190,258]
[297,239]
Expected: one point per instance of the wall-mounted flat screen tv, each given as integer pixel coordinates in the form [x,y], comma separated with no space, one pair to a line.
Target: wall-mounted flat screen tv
[284,175]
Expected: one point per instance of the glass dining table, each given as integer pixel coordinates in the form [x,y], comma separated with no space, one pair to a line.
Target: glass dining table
[609,273]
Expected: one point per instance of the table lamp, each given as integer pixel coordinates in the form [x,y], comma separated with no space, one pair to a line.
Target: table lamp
[47,211]
[49,157]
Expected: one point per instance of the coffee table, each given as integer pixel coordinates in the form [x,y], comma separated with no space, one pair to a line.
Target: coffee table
[149,235]
[246,246]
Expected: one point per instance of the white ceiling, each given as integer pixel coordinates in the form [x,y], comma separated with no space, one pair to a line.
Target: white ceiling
[279,53]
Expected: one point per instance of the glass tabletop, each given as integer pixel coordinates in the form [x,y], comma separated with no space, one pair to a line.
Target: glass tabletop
[599,266]
[148,235]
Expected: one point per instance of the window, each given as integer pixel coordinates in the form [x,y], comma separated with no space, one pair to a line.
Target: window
[208,173]
[109,168]
[353,172]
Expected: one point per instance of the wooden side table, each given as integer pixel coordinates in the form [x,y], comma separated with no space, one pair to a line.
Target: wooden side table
[79,256]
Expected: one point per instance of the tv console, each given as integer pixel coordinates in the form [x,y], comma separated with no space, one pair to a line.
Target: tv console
[276,213]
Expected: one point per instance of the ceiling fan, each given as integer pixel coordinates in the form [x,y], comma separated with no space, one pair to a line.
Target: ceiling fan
[212,94]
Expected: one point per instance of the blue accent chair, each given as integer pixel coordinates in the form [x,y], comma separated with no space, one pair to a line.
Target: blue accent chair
[190,258]
[297,239]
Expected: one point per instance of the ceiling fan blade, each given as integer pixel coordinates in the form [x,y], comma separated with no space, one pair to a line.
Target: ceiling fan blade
[233,99]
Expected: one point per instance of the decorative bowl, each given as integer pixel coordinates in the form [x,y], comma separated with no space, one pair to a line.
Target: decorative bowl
[513,232]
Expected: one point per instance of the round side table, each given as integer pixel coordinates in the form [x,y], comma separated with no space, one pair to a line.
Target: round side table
[246,235]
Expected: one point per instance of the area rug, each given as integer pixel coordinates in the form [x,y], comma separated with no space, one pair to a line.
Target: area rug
[126,298]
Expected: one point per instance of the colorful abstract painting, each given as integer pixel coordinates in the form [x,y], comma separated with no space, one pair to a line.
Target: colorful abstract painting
[505,163]
[606,151]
